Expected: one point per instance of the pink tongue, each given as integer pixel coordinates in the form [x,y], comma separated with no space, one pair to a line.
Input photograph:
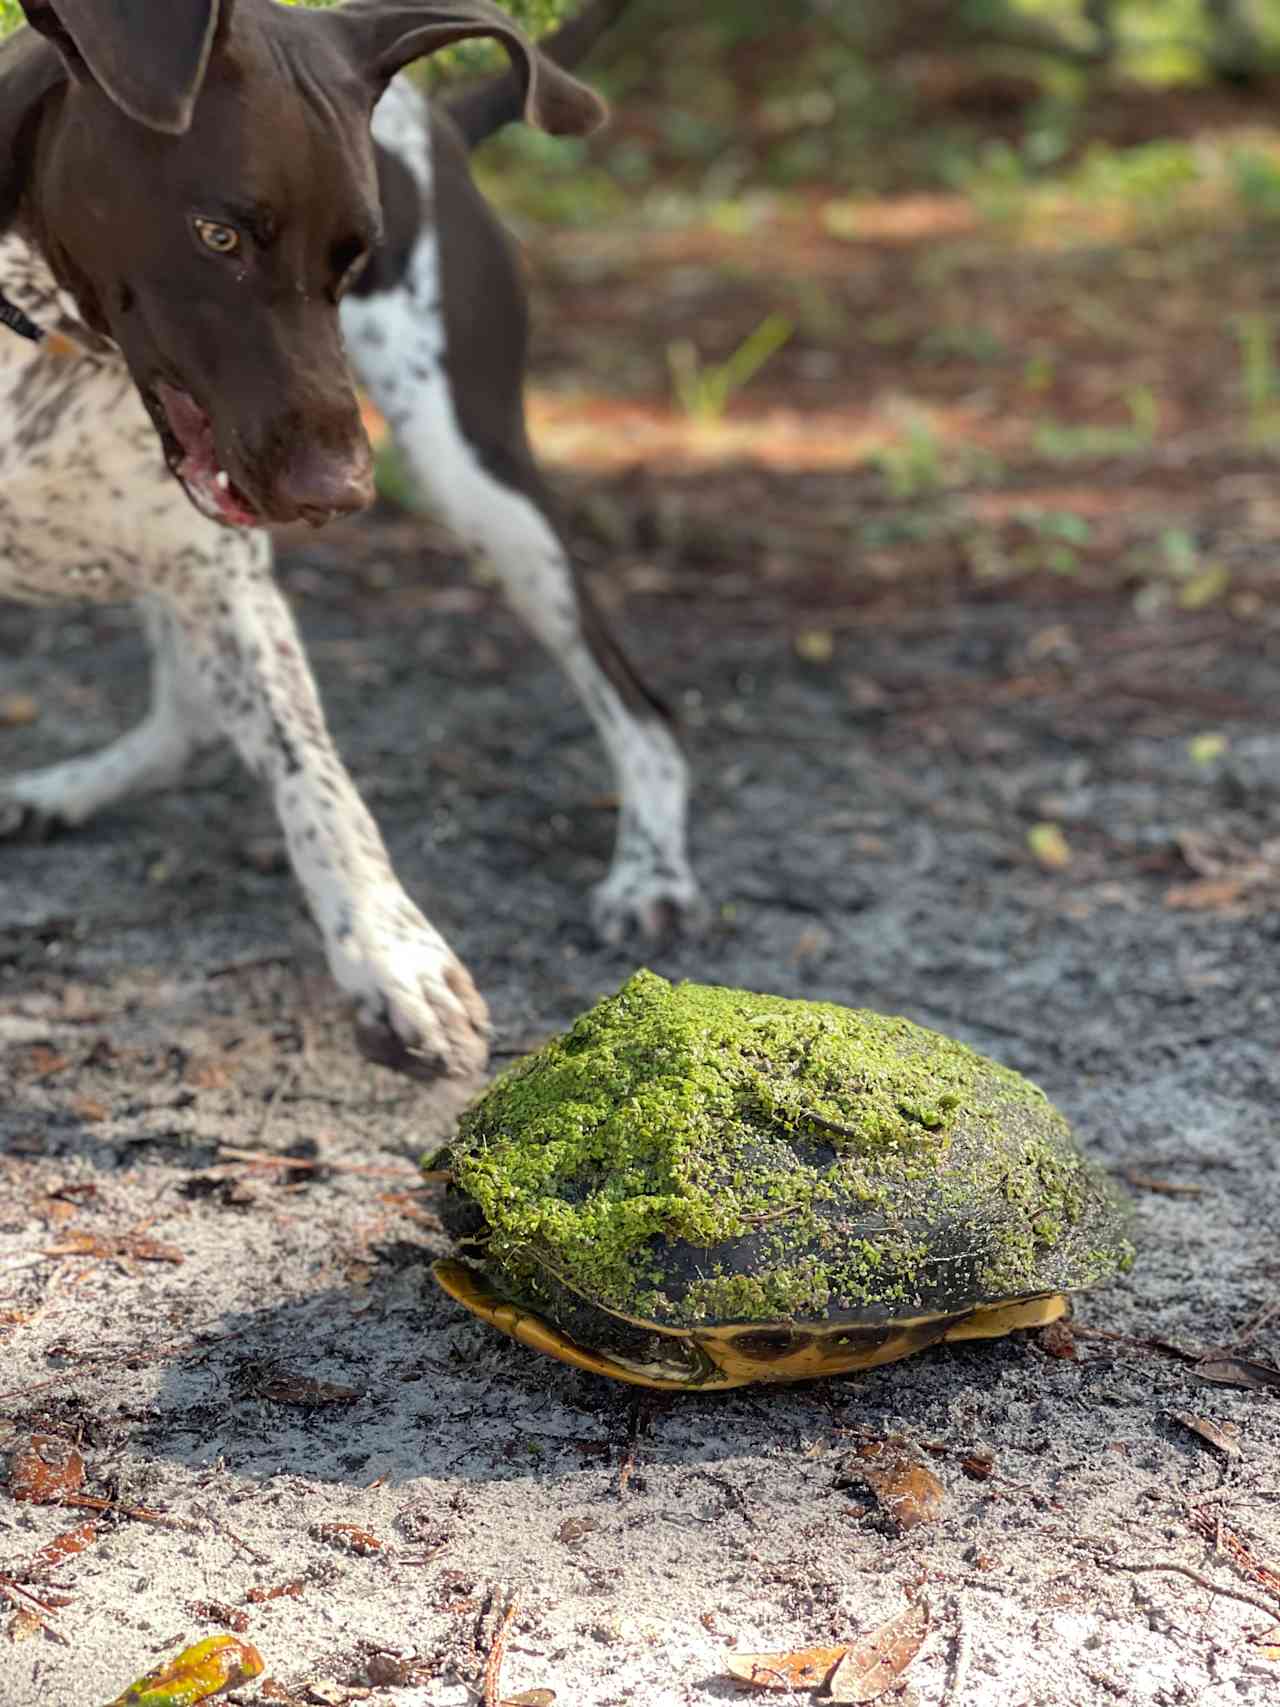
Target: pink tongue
[191,426]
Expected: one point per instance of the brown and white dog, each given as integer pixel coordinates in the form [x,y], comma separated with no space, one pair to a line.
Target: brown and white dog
[216,212]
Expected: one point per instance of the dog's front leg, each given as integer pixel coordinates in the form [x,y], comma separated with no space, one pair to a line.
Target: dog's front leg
[416,1006]
[152,756]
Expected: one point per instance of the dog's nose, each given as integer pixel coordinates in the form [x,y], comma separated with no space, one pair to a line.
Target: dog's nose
[319,485]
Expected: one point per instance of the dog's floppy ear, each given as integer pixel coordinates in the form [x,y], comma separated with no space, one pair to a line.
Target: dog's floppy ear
[28,71]
[385,35]
[149,56]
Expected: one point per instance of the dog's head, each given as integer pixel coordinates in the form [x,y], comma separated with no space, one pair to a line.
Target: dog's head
[214,247]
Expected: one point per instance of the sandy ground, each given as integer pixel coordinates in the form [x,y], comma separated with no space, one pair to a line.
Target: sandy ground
[862,825]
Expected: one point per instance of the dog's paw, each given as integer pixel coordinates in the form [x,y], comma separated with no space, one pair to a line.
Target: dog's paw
[651,907]
[417,1009]
[428,1032]
[25,820]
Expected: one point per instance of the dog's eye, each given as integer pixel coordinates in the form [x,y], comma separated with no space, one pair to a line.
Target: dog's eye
[222,239]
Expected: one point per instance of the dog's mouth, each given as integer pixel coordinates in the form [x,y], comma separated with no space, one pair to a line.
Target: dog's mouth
[191,452]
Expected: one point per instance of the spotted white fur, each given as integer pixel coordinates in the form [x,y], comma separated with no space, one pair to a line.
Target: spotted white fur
[89,511]
[397,344]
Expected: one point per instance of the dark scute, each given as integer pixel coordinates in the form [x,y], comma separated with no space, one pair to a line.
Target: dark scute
[768,1345]
[863,1337]
[463,1219]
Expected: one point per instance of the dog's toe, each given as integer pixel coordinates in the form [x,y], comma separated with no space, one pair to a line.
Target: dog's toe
[20,821]
[436,1028]
[651,913]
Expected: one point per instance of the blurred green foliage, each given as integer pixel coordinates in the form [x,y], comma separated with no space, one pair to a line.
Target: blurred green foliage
[727,104]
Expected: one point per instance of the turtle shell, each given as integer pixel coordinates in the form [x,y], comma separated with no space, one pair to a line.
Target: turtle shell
[699,1186]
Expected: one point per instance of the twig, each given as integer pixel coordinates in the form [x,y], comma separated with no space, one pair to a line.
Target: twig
[1227,1543]
[216,1524]
[275,1158]
[736,1499]
[1254,1326]
[497,1653]
[961,1655]
[826,1125]
[1166,1348]
[229,968]
[26,1602]
[1170,1567]
[637,1424]
[140,1513]
[290,1079]
[760,1672]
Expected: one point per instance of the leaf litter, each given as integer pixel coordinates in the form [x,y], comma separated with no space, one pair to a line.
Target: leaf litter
[907,1491]
[205,1669]
[853,1672]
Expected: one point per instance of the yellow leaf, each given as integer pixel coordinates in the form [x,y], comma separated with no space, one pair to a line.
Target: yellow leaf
[205,1669]
[815,645]
[1204,749]
[1049,846]
[17,709]
[1204,587]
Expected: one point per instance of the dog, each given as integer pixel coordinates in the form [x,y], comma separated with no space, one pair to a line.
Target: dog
[200,239]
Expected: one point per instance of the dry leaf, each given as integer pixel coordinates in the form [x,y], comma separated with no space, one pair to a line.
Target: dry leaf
[392,1671]
[1223,1436]
[289,1590]
[149,1250]
[908,1492]
[207,1073]
[349,1537]
[878,1660]
[64,1547]
[217,1612]
[45,1469]
[207,1668]
[89,1109]
[1238,1372]
[24,1625]
[134,1245]
[288,1389]
[1057,1340]
[530,1698]
[17,709]
[978,1466]
[573,1529]
[1227,1541]
[43,1063]
[802,1668]
[1206,895]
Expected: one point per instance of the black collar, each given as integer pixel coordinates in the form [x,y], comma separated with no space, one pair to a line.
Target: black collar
[13,317]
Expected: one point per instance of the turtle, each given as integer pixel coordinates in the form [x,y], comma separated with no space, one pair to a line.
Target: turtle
[696,1187]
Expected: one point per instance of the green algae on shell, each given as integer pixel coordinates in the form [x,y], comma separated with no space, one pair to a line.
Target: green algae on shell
[688,1155]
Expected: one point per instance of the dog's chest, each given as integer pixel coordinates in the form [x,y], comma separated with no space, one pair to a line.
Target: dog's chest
[82,479]
[27,282]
